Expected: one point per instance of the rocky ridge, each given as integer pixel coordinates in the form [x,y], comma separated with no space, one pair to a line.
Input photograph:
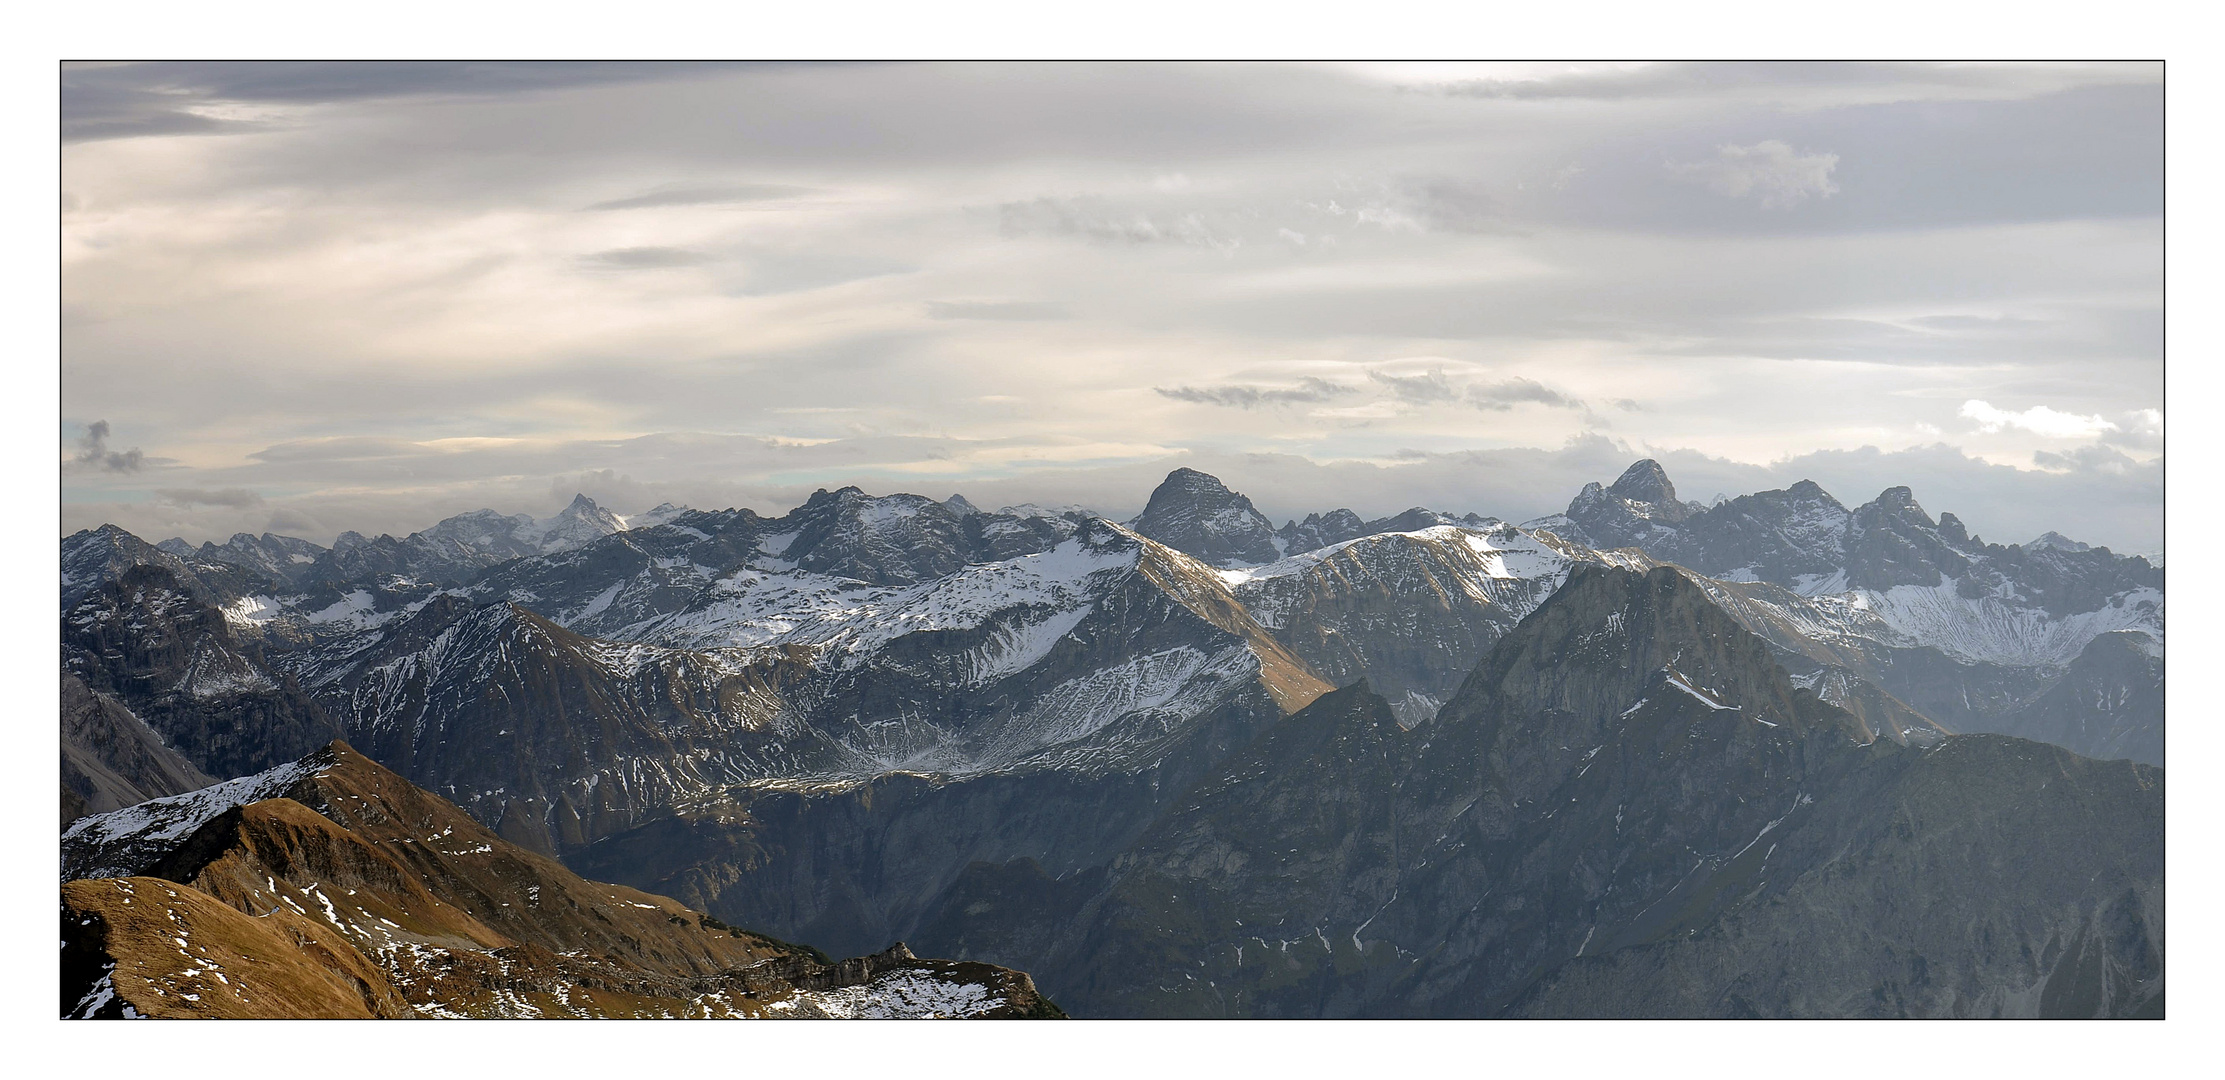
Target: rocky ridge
[1628,775]
[333,888]
[840,751]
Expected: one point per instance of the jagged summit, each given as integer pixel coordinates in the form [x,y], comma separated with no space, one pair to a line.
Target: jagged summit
[582,523]
[1645,481]
[2047,540]
[1639,509]
[1898,499]
[1195,513]
[1318,531]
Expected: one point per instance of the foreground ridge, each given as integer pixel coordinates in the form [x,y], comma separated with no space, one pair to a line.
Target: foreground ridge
[332,888]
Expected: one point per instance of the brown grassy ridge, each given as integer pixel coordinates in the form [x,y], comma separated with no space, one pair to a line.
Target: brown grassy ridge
[361,895]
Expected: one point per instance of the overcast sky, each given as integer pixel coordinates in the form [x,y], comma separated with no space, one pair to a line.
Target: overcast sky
[316,298]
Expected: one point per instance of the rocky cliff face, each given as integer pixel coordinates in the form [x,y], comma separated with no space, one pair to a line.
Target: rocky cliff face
[278,558]
[1195,513]
[1411,612]
[1960,630]
[96,557]
[152,644]
[1627,773]
[111,758]
[1640,509]
[1318,531]
[2107,705]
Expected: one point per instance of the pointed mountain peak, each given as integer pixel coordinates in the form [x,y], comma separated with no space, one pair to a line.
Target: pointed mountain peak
[581,523]
[958,504]
[1191,481]
[2051,539]
[585,509]
[1195,513]
[1645,481]
[1596,645]
[1897,499]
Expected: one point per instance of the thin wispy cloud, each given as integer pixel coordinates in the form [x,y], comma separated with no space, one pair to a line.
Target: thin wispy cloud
[1253,397]
[703,195]
[645,258]
[1508,393]
[1004,311]
[228,498]
[1425,389]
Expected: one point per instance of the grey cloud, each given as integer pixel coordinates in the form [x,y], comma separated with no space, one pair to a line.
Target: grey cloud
[1508,393]
[703,196]
[1308,390]
[1859,80]
[287,521]
[1104,222]
[645,258]
[1772,171]
[232,498]
[1453,204]
[2139,429]
[2081,153]
[2091,459]
[608,487]
[336,448]
[1420,389]
[1973,323]
[1996,228]
[94,455]
[776,273]
[121,100]
[1010,311]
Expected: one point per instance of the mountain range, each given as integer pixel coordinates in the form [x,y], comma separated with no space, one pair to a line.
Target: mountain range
[1771,757]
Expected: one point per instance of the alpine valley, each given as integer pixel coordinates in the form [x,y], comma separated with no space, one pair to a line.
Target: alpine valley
[1776,757]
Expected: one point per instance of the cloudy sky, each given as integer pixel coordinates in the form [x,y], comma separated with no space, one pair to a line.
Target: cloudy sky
[315,298]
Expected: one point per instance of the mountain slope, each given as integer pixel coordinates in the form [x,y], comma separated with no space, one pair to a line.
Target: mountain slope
[112,759]
[1412,611]
[1960,630]
[1628,770]
[2108,703]
[155,645]
[368,871]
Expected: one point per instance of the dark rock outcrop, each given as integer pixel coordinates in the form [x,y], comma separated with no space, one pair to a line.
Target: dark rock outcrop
[1627,777]
[112,759]
[1195,513]
[157,647]
[2108,704]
